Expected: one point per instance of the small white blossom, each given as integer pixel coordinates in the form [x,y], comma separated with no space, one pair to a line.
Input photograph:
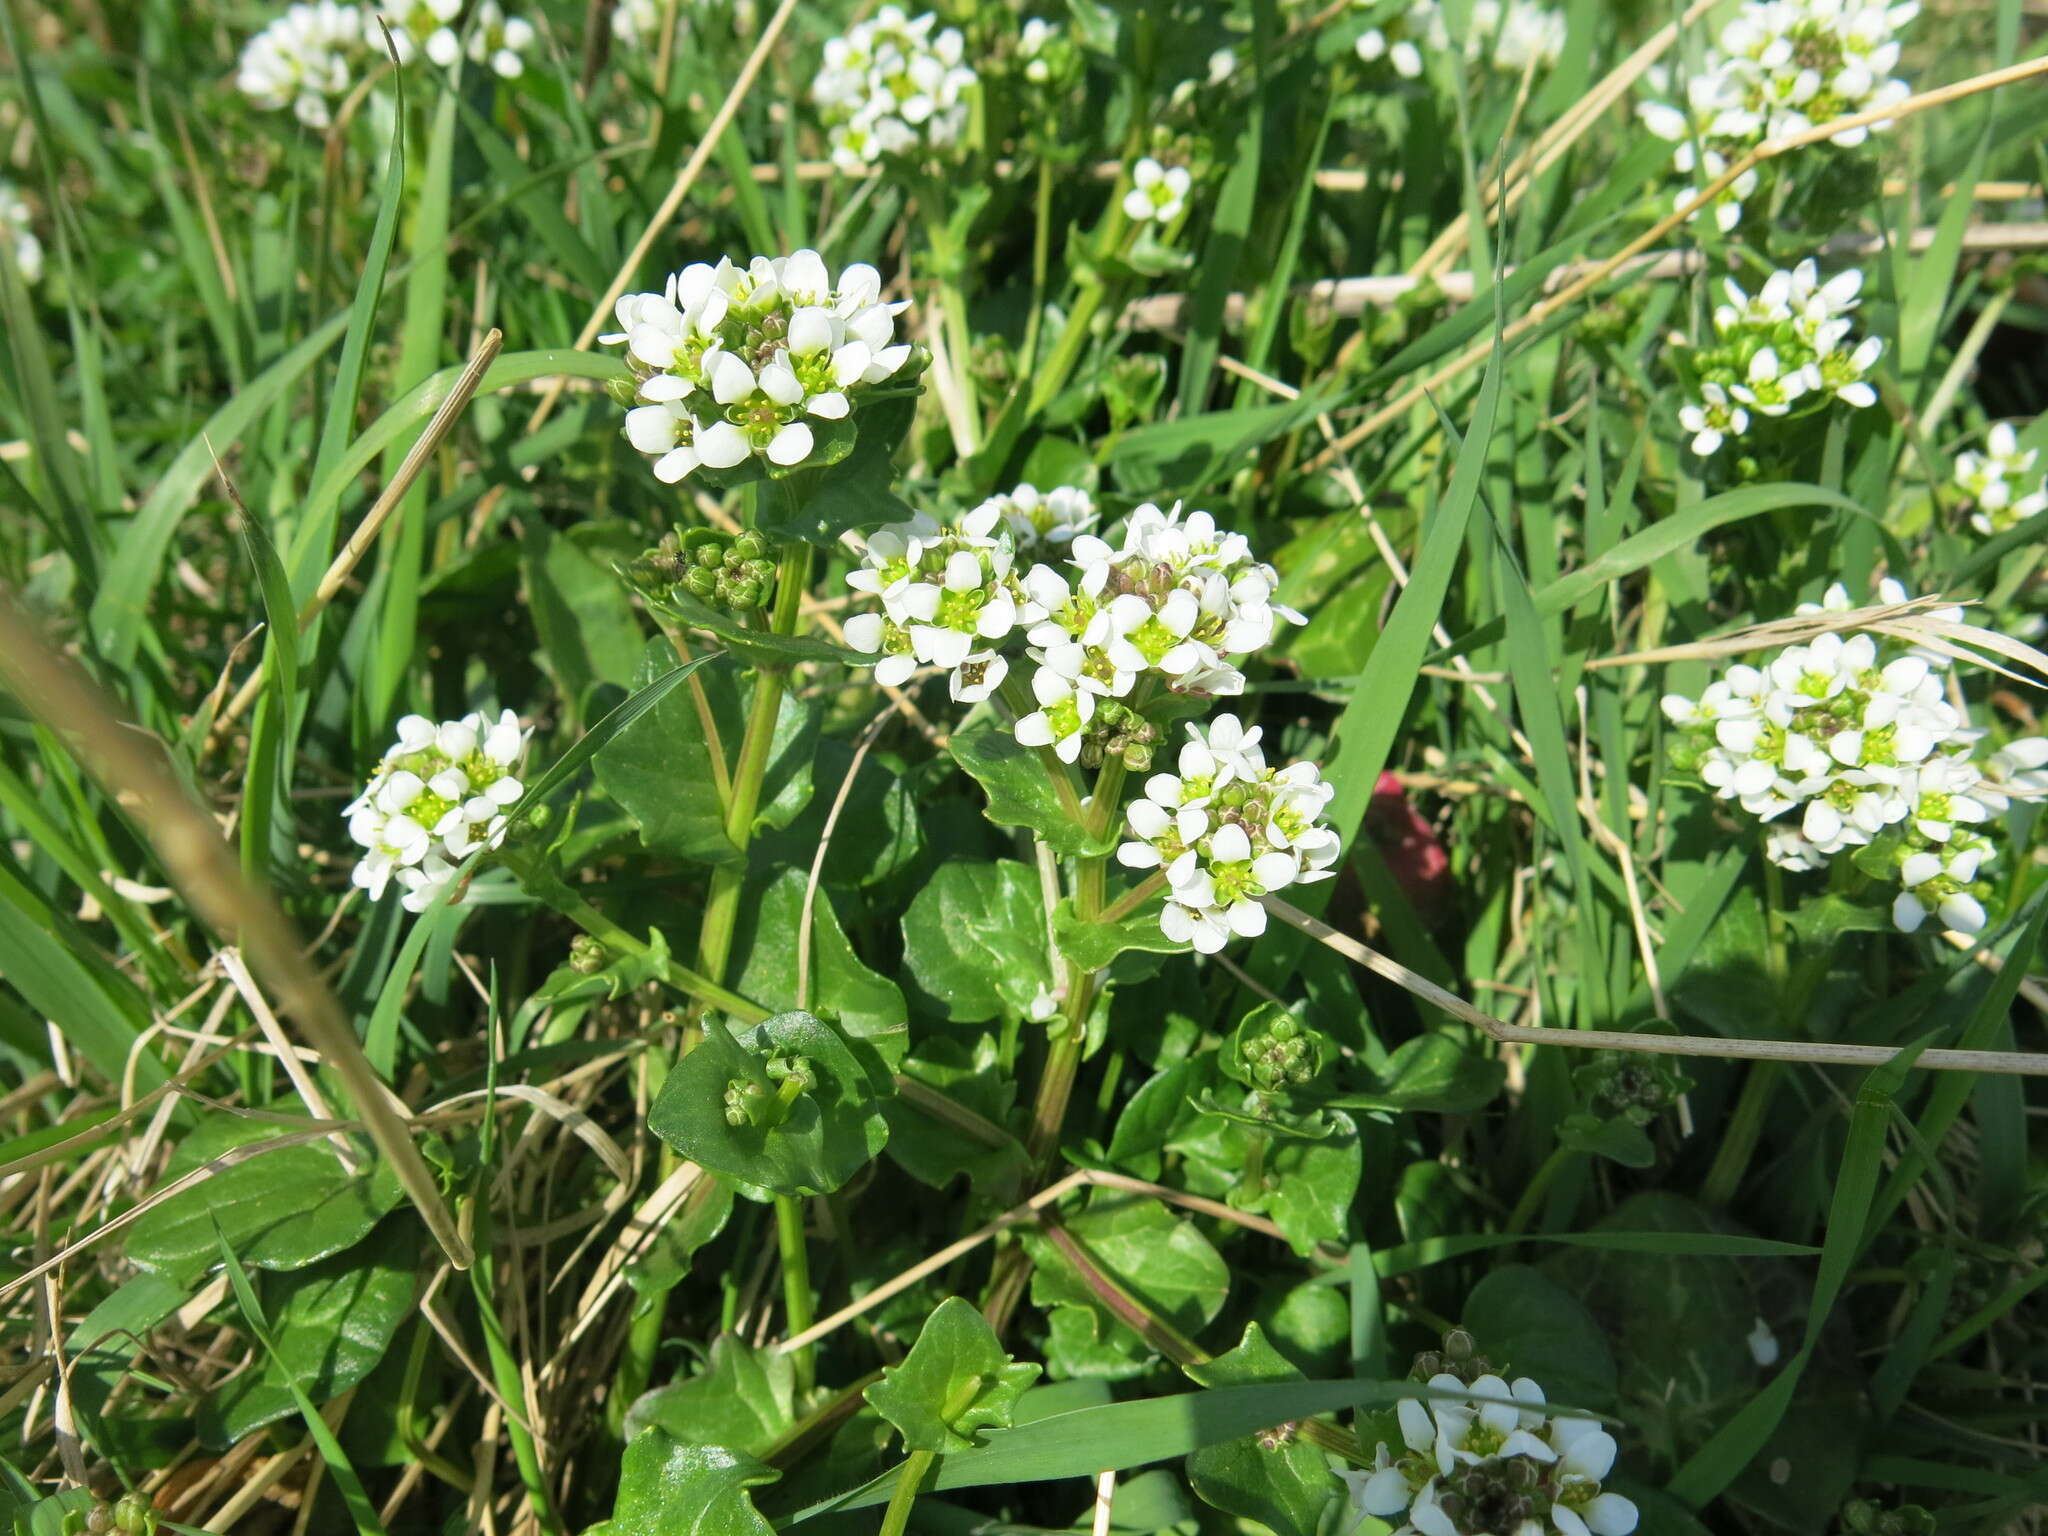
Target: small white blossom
[1226,830]
[1158,192]
[2001,482]
[1939,885]
[1492,1450]
[734,362]
[16,237]
[424,27]
[499,40]
[1061,718]
[893,85]
[441,791]
[303,60]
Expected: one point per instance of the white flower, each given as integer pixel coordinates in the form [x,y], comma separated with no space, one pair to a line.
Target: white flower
[422,27]
[15,232]
[1226,830]
[1713,420]
[1762,1344]
[1932,883]
[302,60]
[735,363]
[1158,192]
[2001,482]
[893,86]
[441,791]
[1061,718]
[500,41]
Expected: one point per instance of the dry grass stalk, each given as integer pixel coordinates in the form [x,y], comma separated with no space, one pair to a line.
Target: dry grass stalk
[1814,1053]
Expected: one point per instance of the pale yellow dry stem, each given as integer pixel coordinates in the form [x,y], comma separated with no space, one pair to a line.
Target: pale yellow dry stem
[686,178]
[127,761]
[1817,1053]
[804,919]
[1415,393]
[388,501]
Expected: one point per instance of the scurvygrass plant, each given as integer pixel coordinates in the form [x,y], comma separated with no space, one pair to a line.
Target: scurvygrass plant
[773,765]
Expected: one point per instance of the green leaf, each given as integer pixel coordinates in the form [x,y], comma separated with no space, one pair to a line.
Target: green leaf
[1309,1181]
[854,493]
[744,1399]
[1091,946]
[661,773]
[1529,1325]
[1432,1074]
[759,646]
[833,1130]
[667,1260]
[670,1489]
[332,1323]
[867,1006]
[935,1150]
[1162,1260]
[1271,1477]
[587,629]
[281,1209]
[974,938]
[1618,1140]
[1021,791]
[955,1382]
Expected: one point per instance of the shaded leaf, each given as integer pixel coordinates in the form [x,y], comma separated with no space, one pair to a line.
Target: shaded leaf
[1272,1476]
[956,1382]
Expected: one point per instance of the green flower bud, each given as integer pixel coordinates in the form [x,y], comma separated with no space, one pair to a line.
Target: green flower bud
[749,546]
[586,955]
[701,583]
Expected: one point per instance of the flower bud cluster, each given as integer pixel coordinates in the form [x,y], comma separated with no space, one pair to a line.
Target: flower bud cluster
[1860,740]
[1467,1465]
[440,792]
[1226,830]
[729,571]
[1782,67]
[2001,482]
[734,363]
[1285,1056]
[1046,55]
[1789,346]
[130,1515]
[748,1103]
[893,86]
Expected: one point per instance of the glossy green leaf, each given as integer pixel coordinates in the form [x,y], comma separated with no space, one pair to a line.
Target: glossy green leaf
[1271,1476]
[1161,1259]
[667,1488]
[956,1382]
[332,1323]
[1020,790]
[974,938]
[866,1005]
[833,1129]
[1432,1074]
[743,1399]
[281,1209]
[1090,946]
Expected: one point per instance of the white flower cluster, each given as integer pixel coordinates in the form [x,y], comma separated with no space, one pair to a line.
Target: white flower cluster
[1174,600]
[893,86]
[1503,1466]
[637,23]
[734,362]
[303,60]
[1790,343]
[15,232]
[440,792]
[310,54]
[2001,482]
[1043,523]
[1226,830]
[1861,741]
[1158,192]
[1782,67]
[1510,34]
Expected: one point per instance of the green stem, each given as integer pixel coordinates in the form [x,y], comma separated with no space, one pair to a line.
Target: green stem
[1041,262]
[897,1519]
[798,1301]
[722,903]
[1251,1183]
[1134,898]
[565,899]
[505,1376]
[1537,1187]
[1744,1129]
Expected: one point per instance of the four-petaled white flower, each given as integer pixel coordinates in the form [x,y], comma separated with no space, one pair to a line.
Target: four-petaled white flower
[2001,482]
[1158,192]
